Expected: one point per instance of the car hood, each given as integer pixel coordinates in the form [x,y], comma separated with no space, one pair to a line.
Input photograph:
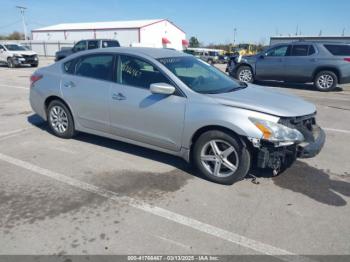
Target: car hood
[27,52]
[266,100]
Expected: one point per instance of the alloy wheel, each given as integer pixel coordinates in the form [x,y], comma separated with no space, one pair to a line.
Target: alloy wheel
[325,81]
[59,119]
[219,158]
[245,75]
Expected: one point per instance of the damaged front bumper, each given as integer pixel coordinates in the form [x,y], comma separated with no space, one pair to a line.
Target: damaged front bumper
[308,149]
[277,157]
[26,59]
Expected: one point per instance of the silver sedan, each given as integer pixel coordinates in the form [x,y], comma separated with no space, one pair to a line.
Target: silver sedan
[175,103]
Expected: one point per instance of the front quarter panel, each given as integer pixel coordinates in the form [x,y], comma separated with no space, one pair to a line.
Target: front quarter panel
[201,114]
[248,61]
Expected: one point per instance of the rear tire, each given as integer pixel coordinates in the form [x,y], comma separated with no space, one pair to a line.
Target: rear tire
[245,74]
[60,119]
[221,158]
[326,81]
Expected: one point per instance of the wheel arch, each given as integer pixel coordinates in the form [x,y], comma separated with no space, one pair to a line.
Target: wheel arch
[242,139]
[245,64]
[51,98]
[326,68]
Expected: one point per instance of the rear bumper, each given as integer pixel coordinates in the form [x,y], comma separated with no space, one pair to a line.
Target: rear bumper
[311,149]
[37,102]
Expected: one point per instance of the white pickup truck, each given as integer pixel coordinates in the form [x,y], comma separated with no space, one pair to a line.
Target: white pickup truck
[15,55]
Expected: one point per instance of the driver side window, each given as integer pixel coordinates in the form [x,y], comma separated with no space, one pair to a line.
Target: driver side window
[138,73]
[80,46]
[278,51]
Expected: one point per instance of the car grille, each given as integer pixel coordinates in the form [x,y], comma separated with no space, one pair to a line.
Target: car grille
[29,58]
[304,124]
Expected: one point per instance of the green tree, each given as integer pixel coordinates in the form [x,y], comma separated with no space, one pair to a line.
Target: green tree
[194,42]
[15,36]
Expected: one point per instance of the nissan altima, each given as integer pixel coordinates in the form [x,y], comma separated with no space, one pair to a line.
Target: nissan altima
[175,103]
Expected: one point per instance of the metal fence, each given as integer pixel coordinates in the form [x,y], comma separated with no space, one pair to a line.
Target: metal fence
[47,48]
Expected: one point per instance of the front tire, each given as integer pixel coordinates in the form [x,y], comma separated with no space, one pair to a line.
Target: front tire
[60,119]
[245,74]
[10,63]
[34,65]
[221,158]
[326,81]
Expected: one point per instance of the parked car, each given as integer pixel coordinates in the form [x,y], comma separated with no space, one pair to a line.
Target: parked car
[15,55]
[222,59]
[86,45]
[210,56]
[175,103]
[324,64]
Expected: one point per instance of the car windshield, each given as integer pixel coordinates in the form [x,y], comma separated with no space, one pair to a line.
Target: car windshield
[200,76]
[14,47]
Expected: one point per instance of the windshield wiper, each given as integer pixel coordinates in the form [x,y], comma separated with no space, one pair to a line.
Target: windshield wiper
[242,85]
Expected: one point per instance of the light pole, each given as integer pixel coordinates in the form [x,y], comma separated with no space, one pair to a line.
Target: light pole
[22,9]
[234,36]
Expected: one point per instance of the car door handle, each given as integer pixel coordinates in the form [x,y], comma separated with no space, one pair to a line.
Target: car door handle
[69,84]
[118,96]
[313,60]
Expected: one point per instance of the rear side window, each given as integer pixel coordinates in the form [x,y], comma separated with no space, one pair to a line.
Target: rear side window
[338,50]
[93,44]
[107,43]
[69,67]
[300,50]
[311,50]
[95,66]
[138,73]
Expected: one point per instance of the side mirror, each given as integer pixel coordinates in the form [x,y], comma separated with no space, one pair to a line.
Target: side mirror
[162,88]
[262,56]
[1,50]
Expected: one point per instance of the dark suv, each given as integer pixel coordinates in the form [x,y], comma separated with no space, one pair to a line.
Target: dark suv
[325,64]
[86,45]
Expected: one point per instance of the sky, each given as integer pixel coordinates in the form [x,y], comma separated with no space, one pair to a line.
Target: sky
[211,21]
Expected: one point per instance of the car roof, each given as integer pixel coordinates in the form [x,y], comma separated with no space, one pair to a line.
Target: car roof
[314,42]
[155,53]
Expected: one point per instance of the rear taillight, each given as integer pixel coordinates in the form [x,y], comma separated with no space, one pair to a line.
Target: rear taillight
[347,59]
[34,78]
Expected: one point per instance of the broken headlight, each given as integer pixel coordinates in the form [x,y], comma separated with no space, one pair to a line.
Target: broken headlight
[275,132]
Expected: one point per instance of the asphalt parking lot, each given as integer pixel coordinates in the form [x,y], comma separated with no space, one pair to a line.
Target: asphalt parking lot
[92,195]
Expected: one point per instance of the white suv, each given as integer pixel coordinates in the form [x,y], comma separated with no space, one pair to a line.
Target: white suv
[15,55]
